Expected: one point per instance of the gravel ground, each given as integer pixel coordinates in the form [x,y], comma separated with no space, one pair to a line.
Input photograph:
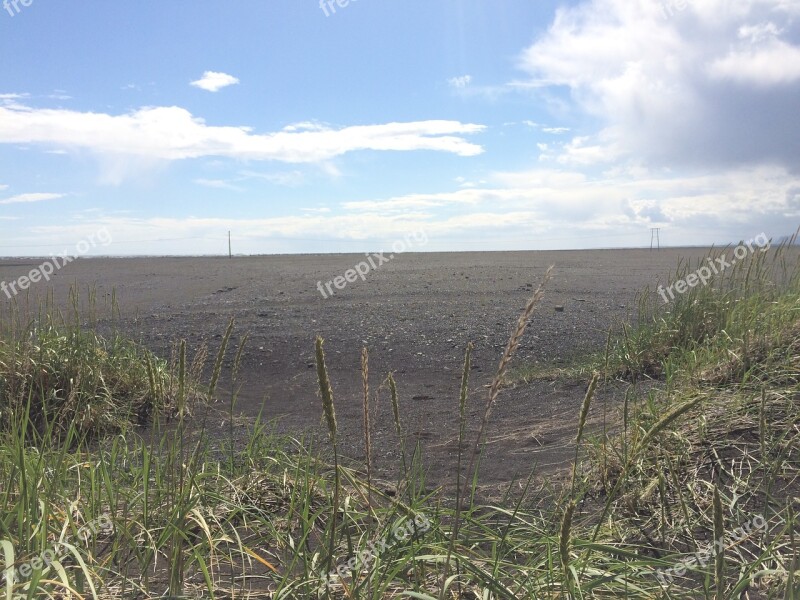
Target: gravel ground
[415,313]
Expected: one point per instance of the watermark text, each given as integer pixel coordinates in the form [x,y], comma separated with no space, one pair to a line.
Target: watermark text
[715,266]
[13,6]
[48,268]
[329,6]
[374,261]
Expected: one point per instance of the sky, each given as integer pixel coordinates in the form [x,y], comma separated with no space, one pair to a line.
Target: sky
[346,125]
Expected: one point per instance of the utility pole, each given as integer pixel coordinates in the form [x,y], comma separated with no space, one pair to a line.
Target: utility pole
[230,254]
[655,237]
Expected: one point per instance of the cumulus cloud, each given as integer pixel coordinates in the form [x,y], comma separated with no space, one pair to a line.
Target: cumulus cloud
[767,62]
[173,133]
[32,197]
[715,84]
[212,81]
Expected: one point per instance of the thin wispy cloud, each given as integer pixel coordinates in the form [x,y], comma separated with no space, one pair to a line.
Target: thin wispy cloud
[219,184]
[305,126]
[460,82]
[282,178]
[512,207]
[545,128]
[555,130]
[32,197]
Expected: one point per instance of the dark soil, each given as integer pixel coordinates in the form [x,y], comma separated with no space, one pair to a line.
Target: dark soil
[415,314]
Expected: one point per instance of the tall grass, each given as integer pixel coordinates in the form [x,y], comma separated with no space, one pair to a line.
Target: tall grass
[94,427]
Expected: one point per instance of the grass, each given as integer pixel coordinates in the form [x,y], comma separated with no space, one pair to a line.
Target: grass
[709,444]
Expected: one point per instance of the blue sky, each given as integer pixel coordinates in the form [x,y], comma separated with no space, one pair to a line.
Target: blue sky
[306,128]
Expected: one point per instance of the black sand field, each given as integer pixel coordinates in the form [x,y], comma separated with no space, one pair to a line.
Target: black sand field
[415,313]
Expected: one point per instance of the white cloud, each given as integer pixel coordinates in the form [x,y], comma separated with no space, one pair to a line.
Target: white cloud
[413,201]
[212,81]
[715,85]
[219,184]
[33,197]
[460,82]
[332,171]
[623,201]
[538,208]
[463,182]
[545,128]
[283,178]
[772,63]
[305,126]
[148,135]
[588,150]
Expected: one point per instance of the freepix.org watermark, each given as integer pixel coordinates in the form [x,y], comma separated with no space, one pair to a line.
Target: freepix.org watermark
[329,6]
[87,532]
[47,268]
[402,531]
[703,558]
[669,8]
[715,267]
[374,261]
[13,6]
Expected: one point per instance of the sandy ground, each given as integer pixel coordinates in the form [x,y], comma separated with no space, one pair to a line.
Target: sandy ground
[415,313]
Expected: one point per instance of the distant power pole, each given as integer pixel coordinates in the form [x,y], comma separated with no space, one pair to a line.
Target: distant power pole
[655,238]
[230,254]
